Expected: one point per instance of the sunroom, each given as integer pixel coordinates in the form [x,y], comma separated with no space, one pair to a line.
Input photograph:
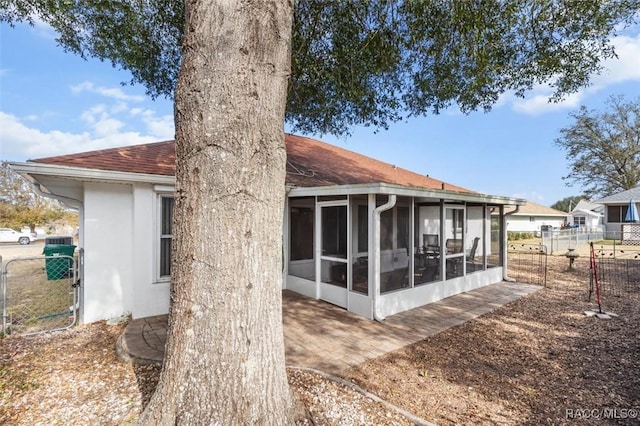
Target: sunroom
[380,249]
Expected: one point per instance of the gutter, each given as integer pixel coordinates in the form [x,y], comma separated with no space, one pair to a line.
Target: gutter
[505,266]
[376,252]
[78,173]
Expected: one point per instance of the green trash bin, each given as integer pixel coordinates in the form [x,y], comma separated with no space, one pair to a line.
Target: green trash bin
[58,269]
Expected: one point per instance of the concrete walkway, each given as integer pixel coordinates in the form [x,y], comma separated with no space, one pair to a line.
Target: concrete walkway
[322,336]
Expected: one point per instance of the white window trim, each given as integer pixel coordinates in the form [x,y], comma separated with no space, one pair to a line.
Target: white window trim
[157,236]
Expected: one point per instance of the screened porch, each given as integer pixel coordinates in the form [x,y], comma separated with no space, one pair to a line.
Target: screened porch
[372,253]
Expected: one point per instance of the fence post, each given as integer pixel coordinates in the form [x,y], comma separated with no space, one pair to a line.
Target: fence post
[3,289]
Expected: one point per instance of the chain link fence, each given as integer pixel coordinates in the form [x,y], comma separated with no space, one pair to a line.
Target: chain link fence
[39,294]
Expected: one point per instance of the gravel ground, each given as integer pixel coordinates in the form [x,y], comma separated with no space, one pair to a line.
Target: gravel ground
[538,360]
[11,251]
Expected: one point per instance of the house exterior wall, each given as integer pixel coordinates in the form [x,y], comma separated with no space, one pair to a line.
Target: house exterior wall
[613,229]
[393,303]
[590,221]
[614,225]
[119,238]
[151,294]
[532,223]
[108,256]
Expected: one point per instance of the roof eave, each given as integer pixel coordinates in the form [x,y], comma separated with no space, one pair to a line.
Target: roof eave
[386,188]
[79,173]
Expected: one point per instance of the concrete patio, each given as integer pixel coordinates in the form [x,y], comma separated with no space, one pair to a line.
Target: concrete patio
[323,336]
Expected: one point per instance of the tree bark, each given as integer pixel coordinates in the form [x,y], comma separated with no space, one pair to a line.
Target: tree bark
[224,361]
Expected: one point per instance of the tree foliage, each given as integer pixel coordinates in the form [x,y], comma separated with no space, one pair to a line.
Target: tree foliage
[567,203]
[367,62]
[603,148]
[352,63]
[20,206]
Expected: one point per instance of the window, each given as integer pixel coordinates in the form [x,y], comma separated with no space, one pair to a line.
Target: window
[166,220]
[334,231]
[386,230]
[301,238]
[363,228]
[616,214]
[580,220]
[402,226]
[301,233]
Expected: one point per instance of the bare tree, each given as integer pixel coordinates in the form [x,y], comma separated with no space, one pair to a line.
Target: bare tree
[603,148]
[20,206]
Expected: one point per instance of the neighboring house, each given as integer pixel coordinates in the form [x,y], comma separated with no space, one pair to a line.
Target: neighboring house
[370,237]
[533,218]
[616,207]
[586,215]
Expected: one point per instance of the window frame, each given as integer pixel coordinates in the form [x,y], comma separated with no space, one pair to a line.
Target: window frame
[159,236]
[621,213]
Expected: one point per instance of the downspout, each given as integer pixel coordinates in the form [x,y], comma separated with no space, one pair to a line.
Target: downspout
[38,190]
[376,252]
[505,266]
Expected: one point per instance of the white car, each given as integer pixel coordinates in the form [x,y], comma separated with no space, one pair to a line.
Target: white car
[10,236]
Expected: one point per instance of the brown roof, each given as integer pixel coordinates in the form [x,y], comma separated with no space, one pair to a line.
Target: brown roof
[533,209]
[154,158]
[309,163]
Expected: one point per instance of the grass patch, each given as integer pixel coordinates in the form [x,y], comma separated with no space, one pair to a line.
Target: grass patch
[35,302]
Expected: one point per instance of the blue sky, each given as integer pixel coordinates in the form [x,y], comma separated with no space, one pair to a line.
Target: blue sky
[54,103]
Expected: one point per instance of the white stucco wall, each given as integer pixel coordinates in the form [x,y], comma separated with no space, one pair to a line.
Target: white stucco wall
[400,301]
[150,293]
[108,243]
[590,221]
[524,223]
[121,240]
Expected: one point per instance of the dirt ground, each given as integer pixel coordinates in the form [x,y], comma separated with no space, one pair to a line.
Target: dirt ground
[538,360]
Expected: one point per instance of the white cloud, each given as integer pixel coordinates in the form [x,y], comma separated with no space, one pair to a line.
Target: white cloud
[533,196]
[624,69]
[107,126]
[90,116]
[109,92]
[160,126]
[20,142]
[538,104]
[43,29]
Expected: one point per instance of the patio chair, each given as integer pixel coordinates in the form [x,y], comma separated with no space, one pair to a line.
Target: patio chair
[431,243]
[471,257]
[453,245]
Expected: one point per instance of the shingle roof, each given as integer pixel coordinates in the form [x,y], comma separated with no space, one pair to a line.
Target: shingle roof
[309,163]
[580,212]
[621,197]
[314,163]
[155,158]
[534,209]
[587,205]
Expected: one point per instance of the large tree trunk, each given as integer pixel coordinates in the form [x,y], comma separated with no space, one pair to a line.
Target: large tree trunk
[225,355]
